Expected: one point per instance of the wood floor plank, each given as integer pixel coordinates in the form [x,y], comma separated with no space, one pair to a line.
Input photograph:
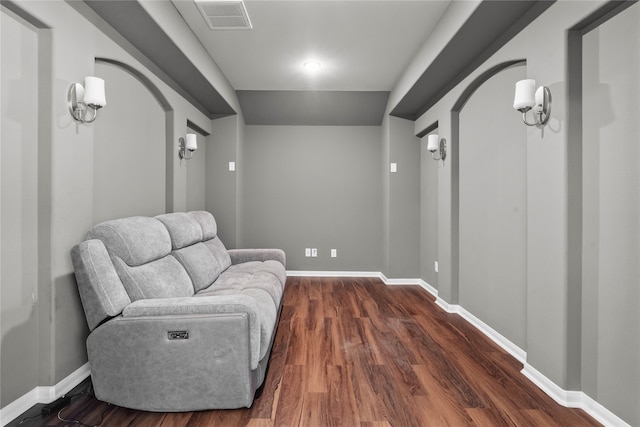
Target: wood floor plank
[354,352]
[342,403]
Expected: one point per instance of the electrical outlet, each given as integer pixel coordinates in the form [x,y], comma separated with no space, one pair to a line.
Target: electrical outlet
[307,252]
[435,266]
[314,252]
[334,253]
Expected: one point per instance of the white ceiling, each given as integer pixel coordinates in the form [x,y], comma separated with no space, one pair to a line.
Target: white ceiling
[363,45]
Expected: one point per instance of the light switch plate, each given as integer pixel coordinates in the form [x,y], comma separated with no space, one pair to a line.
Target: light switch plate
[393,167]
[232,166]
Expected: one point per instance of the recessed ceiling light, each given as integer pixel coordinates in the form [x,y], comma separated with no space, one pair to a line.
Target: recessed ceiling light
[311,65]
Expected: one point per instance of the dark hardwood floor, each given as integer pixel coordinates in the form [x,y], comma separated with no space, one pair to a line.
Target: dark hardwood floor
[355,352]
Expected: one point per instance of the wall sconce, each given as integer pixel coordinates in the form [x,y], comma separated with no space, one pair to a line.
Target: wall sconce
[434,143]
[85,101]
[186,148]
[527,98]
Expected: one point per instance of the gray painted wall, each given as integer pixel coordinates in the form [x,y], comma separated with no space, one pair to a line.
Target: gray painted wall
[19,208]
[611,214]
[221,184]
[428,214]
[493,188]
[314,187]
[197,175]
[128,159]
[403,186]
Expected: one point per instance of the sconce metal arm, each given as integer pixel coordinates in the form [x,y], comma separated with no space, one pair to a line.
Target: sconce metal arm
[442,151]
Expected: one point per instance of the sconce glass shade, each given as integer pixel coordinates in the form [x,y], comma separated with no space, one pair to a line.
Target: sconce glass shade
[528,97]
[433,142]
[94,94]
[192,142]
[186,146]
[85,101]
[525,95]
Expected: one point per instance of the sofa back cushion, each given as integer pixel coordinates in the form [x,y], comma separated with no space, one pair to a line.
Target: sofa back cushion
[136,240]
[162,278]
[196,246]
[140,249]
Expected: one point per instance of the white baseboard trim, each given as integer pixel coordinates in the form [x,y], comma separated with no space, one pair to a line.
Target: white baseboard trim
[43,394]
[491,333]
[377,274]
[303,273]
[424,285]
[573,399]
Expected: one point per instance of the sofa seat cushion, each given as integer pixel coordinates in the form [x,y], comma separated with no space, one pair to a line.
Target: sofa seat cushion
[272,267]
[243,277]
[266,311]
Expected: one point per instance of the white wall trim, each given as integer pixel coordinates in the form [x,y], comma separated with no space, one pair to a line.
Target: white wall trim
[43,394]
[573,399]
[494,335]
[303,273]
[377,274]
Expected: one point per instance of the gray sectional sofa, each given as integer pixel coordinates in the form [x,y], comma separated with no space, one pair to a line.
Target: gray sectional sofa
[177,321]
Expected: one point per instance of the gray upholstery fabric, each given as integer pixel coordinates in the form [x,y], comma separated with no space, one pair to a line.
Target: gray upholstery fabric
[239,256]
[101,291]
[135,240]
[201,265]
[183,228]
[220,253]
[238,280]
[265,309]
[269,266]
[207,223]
[222,304]
[134,365]
[162,278]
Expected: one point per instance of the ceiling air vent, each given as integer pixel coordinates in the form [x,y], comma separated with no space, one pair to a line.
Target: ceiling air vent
[224,14]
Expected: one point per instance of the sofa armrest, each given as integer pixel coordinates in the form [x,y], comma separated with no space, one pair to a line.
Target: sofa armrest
[221,304]
[173,363]
[238,256]
[201,306]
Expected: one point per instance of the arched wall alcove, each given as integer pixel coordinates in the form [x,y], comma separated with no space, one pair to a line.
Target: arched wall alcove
[489,193]
[132,171]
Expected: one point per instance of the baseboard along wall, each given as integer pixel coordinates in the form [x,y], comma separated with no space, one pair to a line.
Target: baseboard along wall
[43,394]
